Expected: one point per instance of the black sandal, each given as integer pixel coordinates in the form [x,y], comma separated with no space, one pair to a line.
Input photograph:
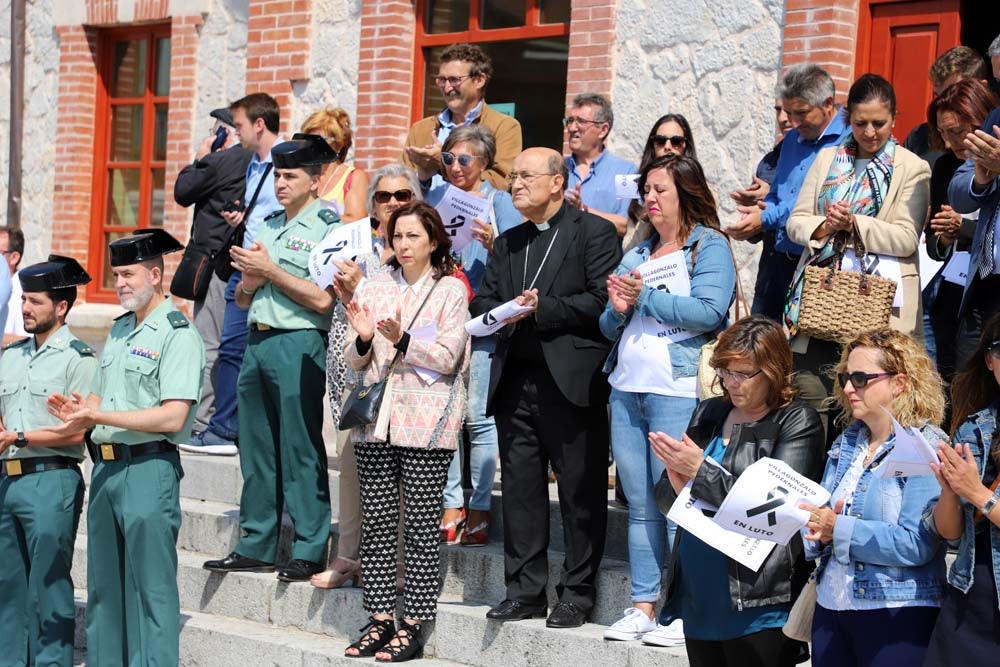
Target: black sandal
[408,644]
[374,636]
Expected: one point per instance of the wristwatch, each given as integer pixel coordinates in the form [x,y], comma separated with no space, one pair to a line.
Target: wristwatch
[991,503]
[21,441]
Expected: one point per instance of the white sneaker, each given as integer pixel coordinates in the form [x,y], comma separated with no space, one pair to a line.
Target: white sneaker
[666,635]
[633,625]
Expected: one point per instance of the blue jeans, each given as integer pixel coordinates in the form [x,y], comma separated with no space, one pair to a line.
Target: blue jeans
[232,343]
[927,297]
[633,417]
[482,435]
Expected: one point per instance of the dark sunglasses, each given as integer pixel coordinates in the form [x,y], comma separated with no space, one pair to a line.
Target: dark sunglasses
[993,350]
[661,141]
[383,196]
[859,379]
[464,160]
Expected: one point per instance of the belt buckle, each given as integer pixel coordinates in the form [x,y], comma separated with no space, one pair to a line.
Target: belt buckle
[107,452]
[13,467]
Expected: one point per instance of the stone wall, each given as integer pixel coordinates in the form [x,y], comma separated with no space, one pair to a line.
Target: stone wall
[40,119]
[222,51]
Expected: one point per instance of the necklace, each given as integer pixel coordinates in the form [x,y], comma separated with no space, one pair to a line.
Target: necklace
[527,248]
[324,188]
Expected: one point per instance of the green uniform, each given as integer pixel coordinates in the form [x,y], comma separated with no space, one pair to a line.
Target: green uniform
[39,511]
[133,517]
[280,394]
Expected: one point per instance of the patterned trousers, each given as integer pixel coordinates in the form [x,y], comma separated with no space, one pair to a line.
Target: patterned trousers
[423,472]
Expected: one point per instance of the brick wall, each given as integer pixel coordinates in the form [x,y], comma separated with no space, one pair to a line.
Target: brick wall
[591,40]
[823,32]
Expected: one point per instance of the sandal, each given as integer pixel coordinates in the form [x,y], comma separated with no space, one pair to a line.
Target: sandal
[336,577]
[406,645]
[375,635]
[451,532]
[479,533]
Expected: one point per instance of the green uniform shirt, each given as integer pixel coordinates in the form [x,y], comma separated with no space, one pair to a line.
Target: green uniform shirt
[289,246]
[64,364]
[163,359]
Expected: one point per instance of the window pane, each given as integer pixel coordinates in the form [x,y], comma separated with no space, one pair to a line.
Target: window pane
[123,198]
[553,11]
[128,72]
[160,133]
[108,278]
[502,14]
[156,211]
[161,82]
[446,16]
[126,133]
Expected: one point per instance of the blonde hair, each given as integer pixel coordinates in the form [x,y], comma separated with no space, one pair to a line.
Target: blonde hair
[334,125]
[922,401]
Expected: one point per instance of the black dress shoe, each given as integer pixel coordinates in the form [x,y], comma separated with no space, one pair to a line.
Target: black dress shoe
[237,563]
[565,615]
[512,610]
[298,570]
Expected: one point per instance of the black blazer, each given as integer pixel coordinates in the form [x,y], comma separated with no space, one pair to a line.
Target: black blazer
[218,179]
[572,293]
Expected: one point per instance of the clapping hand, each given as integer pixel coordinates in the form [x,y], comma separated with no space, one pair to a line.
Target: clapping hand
[528,298]
[346,282]
[957,470]
[984,151]
[821,521]
[573,197]
[751,194]
[73,411]
[683,458]
[749,224]
[946,223]
[483,232]
[361,320]
[390,328]
[626,288]
[254,261]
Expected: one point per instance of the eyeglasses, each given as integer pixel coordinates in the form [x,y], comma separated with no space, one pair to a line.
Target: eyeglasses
[993,350]
[453,81]
[736,377]
[464,160]
[383,196]
[573,120]
[859,379]
[527,178]
[661,141]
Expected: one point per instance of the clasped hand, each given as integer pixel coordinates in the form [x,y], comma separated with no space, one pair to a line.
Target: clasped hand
[624,291]
[683,458]
[254,263]
[821,521]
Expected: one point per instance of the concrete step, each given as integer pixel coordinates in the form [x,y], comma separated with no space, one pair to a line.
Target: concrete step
[218,479]
[211,641]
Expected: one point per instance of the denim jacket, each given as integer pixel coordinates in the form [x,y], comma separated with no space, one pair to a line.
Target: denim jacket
[713,285]
[977,431]
[884,538]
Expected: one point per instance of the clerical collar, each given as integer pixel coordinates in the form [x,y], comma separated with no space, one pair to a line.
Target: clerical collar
[551,222]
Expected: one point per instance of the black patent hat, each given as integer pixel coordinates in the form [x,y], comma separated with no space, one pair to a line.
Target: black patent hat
[304,150]
[56,273]
[144,244]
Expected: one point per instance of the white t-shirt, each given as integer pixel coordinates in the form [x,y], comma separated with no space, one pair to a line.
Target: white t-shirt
[15,320]
[644,362]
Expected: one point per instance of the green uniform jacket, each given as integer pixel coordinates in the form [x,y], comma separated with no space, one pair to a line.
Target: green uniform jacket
[64,364]
[289,246]
[163,359]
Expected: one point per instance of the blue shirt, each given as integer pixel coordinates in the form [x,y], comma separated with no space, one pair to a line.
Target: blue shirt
[598,188]
[446,125]
[5,289]
[797,155]
[267,202]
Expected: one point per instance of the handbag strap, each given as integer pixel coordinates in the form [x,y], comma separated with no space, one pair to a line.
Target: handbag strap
[740,297]
[399,353]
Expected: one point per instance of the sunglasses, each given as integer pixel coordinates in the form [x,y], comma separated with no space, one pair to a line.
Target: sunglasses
[464,160]
[859,379]
[993,350]
[661,141]
[383,196]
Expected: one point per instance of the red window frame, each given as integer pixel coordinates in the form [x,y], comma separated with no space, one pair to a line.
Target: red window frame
[532,29]
[105,102]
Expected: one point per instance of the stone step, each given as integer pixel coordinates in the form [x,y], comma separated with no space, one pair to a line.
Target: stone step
[211,641]
[214,603]
[218,479]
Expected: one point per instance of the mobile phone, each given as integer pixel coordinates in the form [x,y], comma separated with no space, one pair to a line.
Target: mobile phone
[232,207]
[221,136]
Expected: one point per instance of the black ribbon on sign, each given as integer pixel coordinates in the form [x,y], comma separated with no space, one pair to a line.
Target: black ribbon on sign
[775,498]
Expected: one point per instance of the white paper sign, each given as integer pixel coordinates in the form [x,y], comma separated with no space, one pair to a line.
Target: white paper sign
[695,516]
[667,273]
[764,502]
[909,456]
[881,265]
[626,186]
[927,267]
[458,208]
[957,269]
[342,243]
[428,332]
[493,321]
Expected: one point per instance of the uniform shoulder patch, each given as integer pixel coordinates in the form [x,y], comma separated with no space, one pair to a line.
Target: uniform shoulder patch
[177,320]
[328,216]
[16,343]
[274,214]
[82,348]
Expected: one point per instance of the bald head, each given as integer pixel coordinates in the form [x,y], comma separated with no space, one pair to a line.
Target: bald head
[538,189]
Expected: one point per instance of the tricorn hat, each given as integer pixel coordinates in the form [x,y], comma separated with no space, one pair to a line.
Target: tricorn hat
[142,245]
[57,273]
[304,150]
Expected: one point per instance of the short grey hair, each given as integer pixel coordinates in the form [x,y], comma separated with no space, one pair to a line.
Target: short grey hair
[602,107]
[994,49]
[809,82]
[482,139]
[392,170]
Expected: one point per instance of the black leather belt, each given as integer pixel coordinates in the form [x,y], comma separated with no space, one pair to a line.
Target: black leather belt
[21,467]
[114,451]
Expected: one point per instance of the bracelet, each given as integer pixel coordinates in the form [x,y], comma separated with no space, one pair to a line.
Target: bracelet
[246,291]
[991,503]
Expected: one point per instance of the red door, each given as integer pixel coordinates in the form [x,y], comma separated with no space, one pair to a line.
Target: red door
[900,40]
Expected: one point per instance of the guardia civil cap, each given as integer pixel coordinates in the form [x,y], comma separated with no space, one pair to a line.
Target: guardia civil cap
[144,244]
[304,150]
[223,115]
[58,272]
